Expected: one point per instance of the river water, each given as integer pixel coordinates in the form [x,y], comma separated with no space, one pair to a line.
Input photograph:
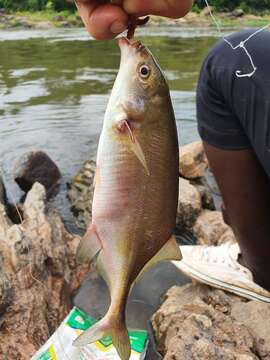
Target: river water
[55,84]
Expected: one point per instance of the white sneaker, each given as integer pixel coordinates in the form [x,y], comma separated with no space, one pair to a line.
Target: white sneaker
[218,266]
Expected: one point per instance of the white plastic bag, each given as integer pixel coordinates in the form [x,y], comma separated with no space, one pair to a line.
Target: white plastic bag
[59,346]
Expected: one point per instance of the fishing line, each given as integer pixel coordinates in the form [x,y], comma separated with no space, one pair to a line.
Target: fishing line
[241,45]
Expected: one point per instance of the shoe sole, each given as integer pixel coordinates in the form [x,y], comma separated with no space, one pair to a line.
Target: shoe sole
[202,278]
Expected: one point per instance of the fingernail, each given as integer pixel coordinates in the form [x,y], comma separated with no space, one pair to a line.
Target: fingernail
[118,27]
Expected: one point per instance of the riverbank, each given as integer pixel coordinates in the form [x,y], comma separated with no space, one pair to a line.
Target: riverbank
[66,19]
[39,277]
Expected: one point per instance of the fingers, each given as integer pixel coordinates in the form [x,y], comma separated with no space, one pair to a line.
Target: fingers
[168,8]
[102,19]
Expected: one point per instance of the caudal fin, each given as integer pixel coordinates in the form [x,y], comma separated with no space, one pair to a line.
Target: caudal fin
[108,326]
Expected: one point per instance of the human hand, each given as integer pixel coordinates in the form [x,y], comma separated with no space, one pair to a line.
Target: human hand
[105,19]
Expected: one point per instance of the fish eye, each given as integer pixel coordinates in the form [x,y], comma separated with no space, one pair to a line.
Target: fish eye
[145,71]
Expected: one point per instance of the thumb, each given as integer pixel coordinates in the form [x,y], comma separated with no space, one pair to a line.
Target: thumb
[102,20]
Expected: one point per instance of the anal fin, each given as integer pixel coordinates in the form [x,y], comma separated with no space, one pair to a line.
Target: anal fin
[89,247]
[169,251]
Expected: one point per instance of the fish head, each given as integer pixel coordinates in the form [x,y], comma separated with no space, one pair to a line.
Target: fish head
[139,88]
[140,70]
[139,98]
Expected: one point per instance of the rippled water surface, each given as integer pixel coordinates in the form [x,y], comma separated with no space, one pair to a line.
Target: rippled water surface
[54,86]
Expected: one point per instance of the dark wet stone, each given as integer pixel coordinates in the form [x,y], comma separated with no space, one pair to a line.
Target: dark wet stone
[36,166]
[238,13]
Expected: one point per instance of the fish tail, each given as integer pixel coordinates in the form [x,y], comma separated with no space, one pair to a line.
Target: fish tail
[108,326]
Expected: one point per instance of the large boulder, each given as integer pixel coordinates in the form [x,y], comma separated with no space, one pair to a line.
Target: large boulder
[210,229]
[36,166]
[189,205]
[80,194]
[193,162]
[38,272]
[199,323]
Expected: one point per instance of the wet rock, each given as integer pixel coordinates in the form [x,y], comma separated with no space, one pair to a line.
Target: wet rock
[37,274]
[36,166]
[80,194]
[204,189]
[3,196]
[196,322]
[238,13]
[210,229]
[193,162]
[189,204]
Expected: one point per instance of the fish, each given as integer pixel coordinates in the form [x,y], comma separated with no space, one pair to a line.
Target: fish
[136,188]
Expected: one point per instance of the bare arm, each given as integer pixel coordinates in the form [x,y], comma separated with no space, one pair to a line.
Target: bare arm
[105,20]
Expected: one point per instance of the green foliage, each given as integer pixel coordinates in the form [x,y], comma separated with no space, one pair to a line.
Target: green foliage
[59,5]
[35,5]
[246,5]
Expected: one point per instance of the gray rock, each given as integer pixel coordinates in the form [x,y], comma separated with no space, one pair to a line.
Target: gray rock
[210,229]
[238,13]
[36,166]
[80,194]
[197,322]
[193,161]
[189,205]
[204,189]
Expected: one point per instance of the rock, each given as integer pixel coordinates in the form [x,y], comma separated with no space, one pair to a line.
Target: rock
[238,13]
[58,18]
[189,204]
[80,194]
[64,24]
[256,316]
[193,162]
[3,196]
[213,186]
[37,275]
[196,322]
[36,166]
[204,189]
[210,229]
[207,11]
[44,25]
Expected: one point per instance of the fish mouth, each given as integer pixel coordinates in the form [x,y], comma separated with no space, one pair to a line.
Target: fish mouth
[136,45]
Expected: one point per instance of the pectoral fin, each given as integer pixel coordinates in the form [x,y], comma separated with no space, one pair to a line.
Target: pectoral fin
[169,251]
[89,247]
[137,149]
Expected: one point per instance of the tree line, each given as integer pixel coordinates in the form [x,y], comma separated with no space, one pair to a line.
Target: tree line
[59,5]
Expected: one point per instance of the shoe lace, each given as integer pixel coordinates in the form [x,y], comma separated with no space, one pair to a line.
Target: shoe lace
[219,255]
